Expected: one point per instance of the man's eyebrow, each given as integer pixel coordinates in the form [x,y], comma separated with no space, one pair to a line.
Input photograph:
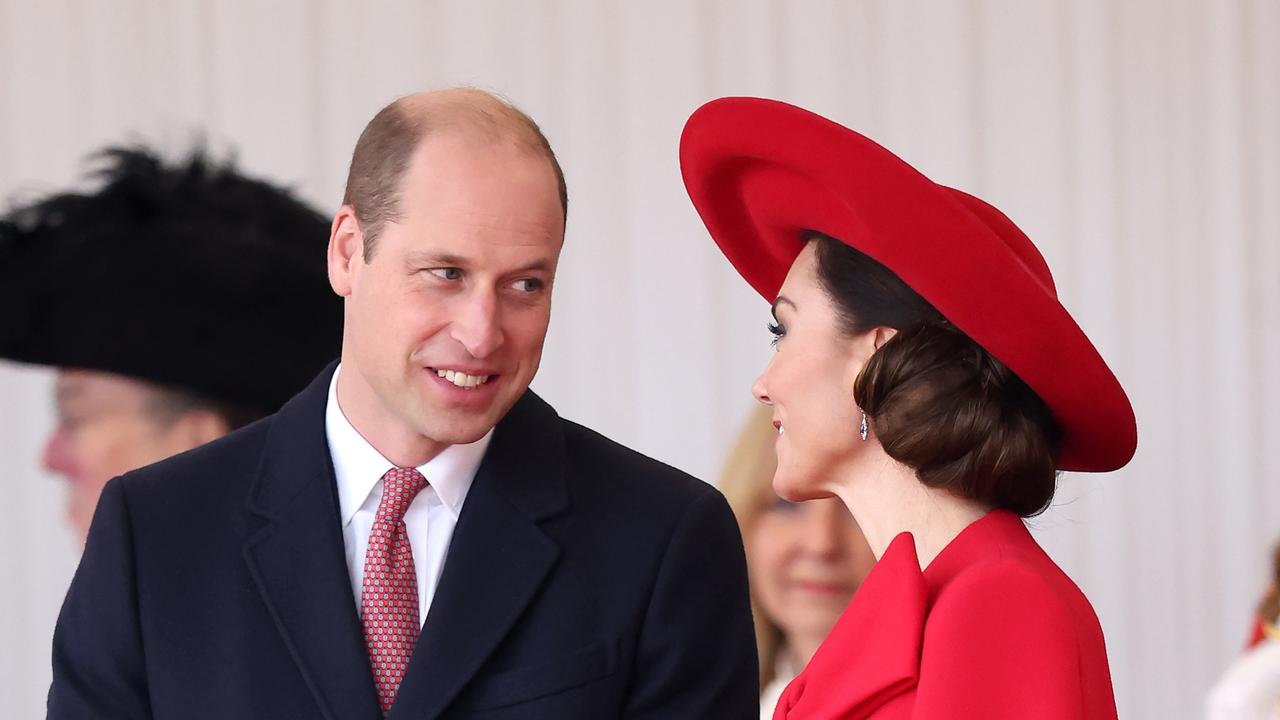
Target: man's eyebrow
[439,259]
[540,265]
[436,259]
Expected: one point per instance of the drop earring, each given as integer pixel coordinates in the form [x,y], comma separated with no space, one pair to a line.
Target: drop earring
[862,429]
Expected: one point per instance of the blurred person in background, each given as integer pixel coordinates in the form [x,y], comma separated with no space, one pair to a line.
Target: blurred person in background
[1263,623]
[1249,689]
[804,560]
[170,300]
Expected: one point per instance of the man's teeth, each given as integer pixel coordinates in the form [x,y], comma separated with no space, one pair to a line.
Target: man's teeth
[463,380]
[781,429]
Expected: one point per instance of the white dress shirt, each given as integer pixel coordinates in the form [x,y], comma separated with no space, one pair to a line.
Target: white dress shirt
[431,517]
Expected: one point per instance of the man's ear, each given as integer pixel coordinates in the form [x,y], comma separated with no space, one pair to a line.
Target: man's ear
[197,427]
[346,250]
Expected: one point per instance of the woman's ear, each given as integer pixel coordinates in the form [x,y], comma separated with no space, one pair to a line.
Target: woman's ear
[861,348]
[882,335]
[864,346]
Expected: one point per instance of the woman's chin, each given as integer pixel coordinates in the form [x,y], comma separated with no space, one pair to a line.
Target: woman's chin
[793,489]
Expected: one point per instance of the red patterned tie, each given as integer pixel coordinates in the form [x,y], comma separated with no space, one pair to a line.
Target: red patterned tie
[389,594]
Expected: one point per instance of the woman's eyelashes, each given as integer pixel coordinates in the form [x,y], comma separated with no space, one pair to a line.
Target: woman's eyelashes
[778,332]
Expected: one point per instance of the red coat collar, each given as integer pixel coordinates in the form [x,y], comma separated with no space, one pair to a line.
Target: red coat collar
[873,654]
[886,616]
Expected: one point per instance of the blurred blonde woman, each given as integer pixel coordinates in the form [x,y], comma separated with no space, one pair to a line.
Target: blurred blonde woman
[805,559]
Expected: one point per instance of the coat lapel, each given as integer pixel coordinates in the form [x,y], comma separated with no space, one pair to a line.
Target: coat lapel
[298,561]
[873,653]
[497,560]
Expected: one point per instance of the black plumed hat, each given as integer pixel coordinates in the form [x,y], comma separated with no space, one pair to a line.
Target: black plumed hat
[189,275]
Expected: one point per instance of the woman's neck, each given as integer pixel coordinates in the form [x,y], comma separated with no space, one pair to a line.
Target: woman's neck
[886,498]
[799,649]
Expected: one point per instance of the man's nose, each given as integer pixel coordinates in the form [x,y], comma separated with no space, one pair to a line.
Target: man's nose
[479,325]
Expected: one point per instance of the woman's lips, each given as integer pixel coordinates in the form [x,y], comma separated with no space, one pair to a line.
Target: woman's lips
[821,587]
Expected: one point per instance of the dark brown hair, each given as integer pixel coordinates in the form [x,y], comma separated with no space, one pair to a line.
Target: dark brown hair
[386,147]
[939,402]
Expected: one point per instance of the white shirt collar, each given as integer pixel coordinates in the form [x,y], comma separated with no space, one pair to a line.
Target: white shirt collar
[358,466]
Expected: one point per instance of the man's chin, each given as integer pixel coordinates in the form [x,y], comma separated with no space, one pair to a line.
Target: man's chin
[462,425]
[459,438]
[461,431]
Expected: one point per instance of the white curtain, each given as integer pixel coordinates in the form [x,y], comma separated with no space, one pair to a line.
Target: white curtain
[1135,141]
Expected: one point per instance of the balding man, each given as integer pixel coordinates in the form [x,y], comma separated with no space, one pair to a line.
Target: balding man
[417,535]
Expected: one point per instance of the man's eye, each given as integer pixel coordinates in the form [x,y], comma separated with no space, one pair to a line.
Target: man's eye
[529,285]
[449,273]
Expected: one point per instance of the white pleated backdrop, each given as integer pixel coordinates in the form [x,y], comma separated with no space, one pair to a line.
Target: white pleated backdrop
[1135,141]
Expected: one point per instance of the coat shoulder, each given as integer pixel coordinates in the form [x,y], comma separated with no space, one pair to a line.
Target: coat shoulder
[638,501]
[1008,638]
[217,472]
[624,470]
[1005,593]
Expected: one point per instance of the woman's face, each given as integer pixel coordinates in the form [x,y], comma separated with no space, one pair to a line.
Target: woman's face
[809,383]
[806,560]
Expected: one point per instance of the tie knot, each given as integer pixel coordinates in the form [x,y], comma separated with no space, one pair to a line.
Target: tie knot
[399,487]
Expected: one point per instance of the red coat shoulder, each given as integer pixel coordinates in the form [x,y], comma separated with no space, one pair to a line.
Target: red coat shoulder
[1001,642]
[993,629]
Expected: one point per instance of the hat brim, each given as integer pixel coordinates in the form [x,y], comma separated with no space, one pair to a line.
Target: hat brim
[761,173]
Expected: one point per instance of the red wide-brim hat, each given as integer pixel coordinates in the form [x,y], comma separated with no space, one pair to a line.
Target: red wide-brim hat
[762,173]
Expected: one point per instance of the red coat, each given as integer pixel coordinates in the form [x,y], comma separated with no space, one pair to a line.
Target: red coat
[992,629]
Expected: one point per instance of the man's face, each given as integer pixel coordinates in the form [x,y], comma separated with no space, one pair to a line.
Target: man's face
[106,426]
[445,324]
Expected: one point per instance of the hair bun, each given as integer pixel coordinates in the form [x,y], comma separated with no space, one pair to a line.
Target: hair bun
[944,406]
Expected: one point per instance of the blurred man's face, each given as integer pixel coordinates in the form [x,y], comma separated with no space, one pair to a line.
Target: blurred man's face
[107,425]
[445,324]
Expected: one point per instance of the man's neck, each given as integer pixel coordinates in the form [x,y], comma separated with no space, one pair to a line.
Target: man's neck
[402,445]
